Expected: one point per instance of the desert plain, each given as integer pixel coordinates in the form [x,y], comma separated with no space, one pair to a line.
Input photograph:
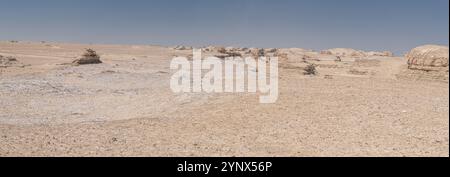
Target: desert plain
[370,105]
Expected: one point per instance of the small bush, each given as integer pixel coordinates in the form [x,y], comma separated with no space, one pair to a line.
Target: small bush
[89,57]
[310,70]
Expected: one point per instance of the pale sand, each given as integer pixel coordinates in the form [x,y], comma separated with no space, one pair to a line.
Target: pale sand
[124,107]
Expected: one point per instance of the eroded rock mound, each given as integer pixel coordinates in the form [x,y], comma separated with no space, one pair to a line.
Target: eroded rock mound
[180,47]
[344,52]
[380,54]
[257,52]
[429,58]
[89,57]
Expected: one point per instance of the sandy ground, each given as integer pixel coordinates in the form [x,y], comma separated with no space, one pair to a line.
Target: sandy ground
[124,107]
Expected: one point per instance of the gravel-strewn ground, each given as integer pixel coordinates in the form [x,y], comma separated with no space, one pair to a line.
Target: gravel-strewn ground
[124,107]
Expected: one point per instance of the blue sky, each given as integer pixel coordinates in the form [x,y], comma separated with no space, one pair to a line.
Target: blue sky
[396,25]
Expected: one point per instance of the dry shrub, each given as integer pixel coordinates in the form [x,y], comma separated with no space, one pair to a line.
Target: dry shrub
[89,57]
[310,70]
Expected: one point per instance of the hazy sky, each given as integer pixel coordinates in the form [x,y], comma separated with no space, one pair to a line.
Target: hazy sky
[396,25]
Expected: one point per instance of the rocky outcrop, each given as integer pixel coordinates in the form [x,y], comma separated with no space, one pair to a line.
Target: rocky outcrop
[347,52]
[380,54]
[180,47]
[428,57]
[344,52]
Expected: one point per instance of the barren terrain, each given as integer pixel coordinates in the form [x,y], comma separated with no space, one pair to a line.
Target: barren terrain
[372,106]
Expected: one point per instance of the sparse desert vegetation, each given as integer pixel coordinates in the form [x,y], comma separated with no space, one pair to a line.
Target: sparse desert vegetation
[89,57]
[310,69]
[122,105]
